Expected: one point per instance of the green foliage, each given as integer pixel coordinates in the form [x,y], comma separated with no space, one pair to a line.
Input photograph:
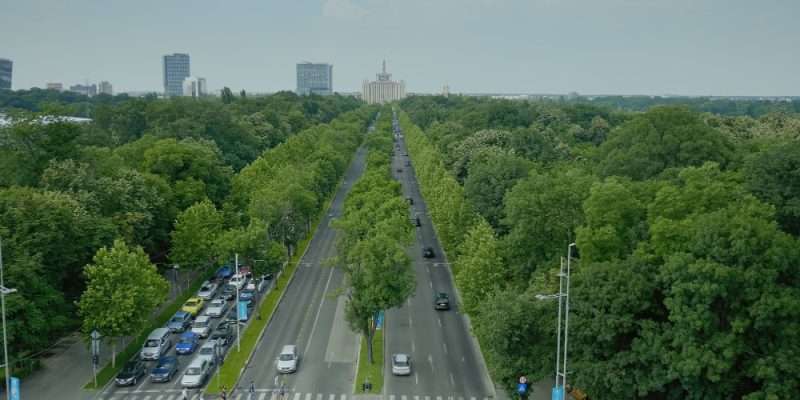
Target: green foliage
[195,235]
[774,177]
[488,182]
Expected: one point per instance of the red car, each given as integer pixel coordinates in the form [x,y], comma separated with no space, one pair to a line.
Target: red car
[399,169]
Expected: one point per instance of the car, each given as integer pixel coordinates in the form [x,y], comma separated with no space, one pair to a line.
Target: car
[210,351]
[287,360]
[408,163]
[208,290]
[158,342]
[166,368]
[224,333]
[225,272]
[187,343]
[399,169]
[216,308]
[228,292]
[415,221]
[246,271]
[196,374]
[409,200]
[202,326]
[246,295]
[239,280]
[427,252]
[256,285]
[401,364]
[130,373]
[179,321]
[234,312]
[405,153]
[441,301]
[193,306]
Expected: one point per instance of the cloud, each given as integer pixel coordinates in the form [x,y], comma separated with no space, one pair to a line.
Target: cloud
[343,10]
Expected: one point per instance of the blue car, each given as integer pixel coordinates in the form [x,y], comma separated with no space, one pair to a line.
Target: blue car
[187,343]
[246,296]
[224,273]
[166,368]
[180,321]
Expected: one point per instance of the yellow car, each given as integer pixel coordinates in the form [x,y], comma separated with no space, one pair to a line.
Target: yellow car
[193,306]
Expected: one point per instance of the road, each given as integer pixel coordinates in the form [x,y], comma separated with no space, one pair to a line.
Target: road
[446,362]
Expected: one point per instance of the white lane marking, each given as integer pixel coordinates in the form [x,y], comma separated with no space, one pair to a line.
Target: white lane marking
[321,303]
[404,397]
[308,396]
[409,302]
[452,381]
[440,322]
[262,396]
[430,360]
[344,397]
[416,378]
[409,322]
[430,284]
[445,348]
[413,348]
[319,396]
[297,396]
[427,268]
[332,397]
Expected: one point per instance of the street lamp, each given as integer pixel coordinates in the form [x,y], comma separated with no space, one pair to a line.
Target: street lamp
[176,289]
[3,292]
[563,293]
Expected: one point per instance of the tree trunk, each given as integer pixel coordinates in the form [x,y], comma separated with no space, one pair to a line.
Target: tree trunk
[114,355]
[370,335]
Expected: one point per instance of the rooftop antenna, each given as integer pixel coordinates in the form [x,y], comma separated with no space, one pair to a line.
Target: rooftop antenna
[384,63]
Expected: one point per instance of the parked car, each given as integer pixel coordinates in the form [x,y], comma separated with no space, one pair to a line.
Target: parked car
[196,374]
[216,308]
[202,326]
[427,252]
[238,280]
[210,351]
[179,321]
[208,290]
[194,305]
[225,272]
[224,333]
[187,343]
[441,301]
[401,364]
[228,292]
[166,368]
[130,373]
[287,360]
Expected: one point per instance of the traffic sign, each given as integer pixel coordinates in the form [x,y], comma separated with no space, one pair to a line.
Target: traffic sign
[523,379]
[242,310]
[14,382]
[558,393]
[522,387]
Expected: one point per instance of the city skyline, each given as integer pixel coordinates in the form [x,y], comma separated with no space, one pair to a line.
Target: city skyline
[710,47]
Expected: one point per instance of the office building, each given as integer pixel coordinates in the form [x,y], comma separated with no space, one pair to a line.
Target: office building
[89,90]
[6,67]
[314,78]
[383,90]
[105,88]
[176,69]
[54,86]
[194,86]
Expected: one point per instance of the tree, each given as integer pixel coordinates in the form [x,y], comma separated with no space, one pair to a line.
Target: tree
[122,290]
[195,235]
[774,177]
[227,95]
[488,182]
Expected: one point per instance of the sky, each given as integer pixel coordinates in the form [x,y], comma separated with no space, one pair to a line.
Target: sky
[592,47]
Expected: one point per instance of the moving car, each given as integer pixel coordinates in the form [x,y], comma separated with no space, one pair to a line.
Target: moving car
[166,368]
[224,333]
[180,321]
[208,290]
[427,252]
[196,374]
[287,360]
[210,351]
[401,364]
[194,305]
[216,308]
[130,374]
[441,301]
[202,326]
[187,343]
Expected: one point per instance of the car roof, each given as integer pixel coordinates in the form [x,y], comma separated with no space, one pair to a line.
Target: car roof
[401,357]
[210,343]
[188,334]
[202,317]
[181,313]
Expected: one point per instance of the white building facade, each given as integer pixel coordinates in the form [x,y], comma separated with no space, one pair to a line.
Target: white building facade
[194,86]
[383,90]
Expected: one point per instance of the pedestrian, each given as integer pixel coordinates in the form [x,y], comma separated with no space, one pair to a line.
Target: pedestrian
[251,391]
[277,380]
[224,393]
[282,389]
[184,394]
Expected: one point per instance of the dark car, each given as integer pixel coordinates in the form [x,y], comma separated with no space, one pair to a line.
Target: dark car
[441,301]
[130,374]
[246,295]
[224,273]
[399,169]
[166,368]
[405,154]
[409,200]
[408,163]
[228,292]
[415,221]
[234,312]
[427,252]
[225,332]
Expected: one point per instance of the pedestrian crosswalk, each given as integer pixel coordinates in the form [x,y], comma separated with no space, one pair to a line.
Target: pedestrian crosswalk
[269,394]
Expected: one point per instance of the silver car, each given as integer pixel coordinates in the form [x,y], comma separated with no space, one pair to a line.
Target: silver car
[401,364]
[216,308]
[196,374]
[208,290]
[210,351]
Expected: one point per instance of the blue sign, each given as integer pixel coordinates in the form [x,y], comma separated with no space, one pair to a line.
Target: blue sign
[242,311]
[558,393]
[380,320]
[522,387]
[14,382]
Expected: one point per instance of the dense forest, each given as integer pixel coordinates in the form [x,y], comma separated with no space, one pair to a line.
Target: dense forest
[148,183]
[686,281]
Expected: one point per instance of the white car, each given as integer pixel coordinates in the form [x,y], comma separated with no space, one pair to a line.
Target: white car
[239,280]
[210,351]
[401,364]
[202,326]
[216,308]
[196,374]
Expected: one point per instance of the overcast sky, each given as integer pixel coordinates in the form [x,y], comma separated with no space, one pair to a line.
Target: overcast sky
[690,47]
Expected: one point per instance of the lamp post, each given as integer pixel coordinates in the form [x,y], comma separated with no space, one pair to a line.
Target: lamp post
[563,293]
[175,286]
[238,333]
[3,292]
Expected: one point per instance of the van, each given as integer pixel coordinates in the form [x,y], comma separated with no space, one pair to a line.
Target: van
[287,360]
[196,373]
[202,326]
[158,342]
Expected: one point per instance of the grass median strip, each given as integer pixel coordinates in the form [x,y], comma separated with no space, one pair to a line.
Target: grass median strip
[372,373]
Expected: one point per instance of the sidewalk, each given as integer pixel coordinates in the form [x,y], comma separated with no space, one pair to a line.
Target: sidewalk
[64,373]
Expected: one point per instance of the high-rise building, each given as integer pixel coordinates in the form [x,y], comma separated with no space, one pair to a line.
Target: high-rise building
[6,67]
[383,90]
[54,86]
[314,78]
[194,86]
[89,90]
[105,88]
[176,69]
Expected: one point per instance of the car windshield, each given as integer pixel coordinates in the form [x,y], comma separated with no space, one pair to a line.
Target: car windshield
[229,288]
[205,289]
[208,350]
[401,363]
[200,324]
[193,371]
[191,303]
[129,368]
[177,318]
[286,357]
[151,343]
[187,339]
[164,363]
